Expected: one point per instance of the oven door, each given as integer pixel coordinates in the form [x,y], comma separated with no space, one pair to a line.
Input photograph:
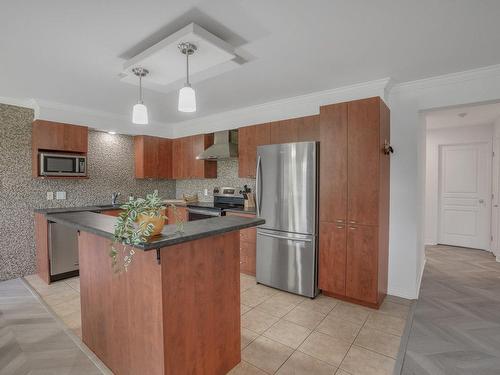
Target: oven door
[200,214]
[62,165]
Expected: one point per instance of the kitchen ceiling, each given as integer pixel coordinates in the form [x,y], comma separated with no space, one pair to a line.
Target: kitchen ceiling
[483,114]
[73,52]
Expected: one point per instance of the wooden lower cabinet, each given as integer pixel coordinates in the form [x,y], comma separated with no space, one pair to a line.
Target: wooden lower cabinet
[332,258]
[362,263]
[248,246]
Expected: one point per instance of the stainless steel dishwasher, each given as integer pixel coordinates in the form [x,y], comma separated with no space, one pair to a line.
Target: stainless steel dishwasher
[63,251]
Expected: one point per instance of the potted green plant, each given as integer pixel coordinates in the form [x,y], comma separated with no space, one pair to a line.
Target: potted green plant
[140,219]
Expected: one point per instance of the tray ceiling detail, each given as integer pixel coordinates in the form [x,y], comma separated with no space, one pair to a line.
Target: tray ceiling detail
[167,66]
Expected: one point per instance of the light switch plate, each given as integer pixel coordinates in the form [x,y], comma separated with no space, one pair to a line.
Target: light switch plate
[60,195]
[50,195]
[205,192]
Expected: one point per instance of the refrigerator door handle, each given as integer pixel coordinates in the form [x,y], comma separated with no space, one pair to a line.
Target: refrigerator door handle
[284,237]
[258,185]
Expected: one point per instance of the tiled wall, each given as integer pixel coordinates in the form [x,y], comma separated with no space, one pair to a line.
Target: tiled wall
[227,175]
[110,166]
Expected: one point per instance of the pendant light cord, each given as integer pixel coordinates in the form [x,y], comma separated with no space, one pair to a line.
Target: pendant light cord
[140,89]
[187,67]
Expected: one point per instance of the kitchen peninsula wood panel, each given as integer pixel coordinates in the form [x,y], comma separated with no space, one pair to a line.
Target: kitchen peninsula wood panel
[248,246]
[354,194]
[192,293]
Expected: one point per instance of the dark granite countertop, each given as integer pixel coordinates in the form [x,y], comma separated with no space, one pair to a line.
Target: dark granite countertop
[103,207]
[103,225]
[250,211]
[57,210]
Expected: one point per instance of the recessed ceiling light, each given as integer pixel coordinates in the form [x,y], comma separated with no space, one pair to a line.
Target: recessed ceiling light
[462,114]
[112,132]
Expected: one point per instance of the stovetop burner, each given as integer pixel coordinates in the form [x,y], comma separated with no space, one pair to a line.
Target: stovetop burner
[227,199]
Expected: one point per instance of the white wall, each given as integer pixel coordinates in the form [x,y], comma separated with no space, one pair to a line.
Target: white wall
[436,138]
[495,213]
[408,101]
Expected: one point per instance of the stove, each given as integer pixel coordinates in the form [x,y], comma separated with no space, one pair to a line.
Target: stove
[224,198]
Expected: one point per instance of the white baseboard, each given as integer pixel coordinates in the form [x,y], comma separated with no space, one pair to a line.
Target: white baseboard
[419,279]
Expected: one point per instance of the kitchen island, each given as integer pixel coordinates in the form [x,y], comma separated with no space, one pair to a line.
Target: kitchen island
[176,310]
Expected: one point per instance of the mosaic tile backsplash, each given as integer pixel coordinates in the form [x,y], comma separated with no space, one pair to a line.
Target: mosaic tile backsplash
[227,175]
[110,167]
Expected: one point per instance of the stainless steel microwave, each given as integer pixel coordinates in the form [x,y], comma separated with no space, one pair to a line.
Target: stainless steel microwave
[62,165]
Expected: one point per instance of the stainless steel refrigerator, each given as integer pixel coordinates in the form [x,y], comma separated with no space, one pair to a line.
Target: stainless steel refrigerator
[286,197]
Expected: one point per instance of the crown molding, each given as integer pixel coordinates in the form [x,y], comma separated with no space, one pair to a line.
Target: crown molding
[447,79]
[100,120]
[297,106]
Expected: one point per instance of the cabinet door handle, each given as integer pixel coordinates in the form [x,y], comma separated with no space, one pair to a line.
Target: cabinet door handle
[340,227]
[352,221]
[352,228]
[339,221]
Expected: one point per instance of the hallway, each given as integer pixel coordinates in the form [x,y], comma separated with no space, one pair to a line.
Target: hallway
[456,321]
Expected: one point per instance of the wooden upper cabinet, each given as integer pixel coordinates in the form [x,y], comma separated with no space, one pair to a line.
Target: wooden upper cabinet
[146,156]
[164,158]
[181,147]
[364,152]
[284,131]
[300,129]
[153,157]
[249,138]
[308,128]
[247,148]
[202,168]
[184,153]
[333,163]
[56,136]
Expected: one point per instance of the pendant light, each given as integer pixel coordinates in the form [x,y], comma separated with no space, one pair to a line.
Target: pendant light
[187,96]
[140,111]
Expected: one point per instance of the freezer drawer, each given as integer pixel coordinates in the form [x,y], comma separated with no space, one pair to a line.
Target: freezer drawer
[287,261]
[63,248]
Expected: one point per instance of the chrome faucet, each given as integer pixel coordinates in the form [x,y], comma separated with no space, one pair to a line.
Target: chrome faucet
[114,197]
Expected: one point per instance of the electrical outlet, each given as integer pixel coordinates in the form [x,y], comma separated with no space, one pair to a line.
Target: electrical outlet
[60,195]
[50,195]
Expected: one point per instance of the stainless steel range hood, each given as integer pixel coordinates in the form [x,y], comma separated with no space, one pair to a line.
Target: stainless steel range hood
[225,146]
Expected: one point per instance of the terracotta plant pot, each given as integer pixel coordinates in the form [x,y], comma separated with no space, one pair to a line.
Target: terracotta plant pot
[157,221]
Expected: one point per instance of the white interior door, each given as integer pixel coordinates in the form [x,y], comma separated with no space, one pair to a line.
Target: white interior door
[465,195]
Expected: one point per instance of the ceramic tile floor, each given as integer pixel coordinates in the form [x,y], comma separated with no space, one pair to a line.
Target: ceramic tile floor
[282,333]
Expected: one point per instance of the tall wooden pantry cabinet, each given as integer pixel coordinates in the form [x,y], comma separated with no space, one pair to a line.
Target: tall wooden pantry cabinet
[354,201]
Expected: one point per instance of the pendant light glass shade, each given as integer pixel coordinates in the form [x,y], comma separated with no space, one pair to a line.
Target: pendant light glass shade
[187,96]
[140,114]
[187,99]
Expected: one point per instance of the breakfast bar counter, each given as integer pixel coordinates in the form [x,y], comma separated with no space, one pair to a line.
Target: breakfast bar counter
[176,310]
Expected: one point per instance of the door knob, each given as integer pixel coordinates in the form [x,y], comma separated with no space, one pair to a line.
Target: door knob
[481,201]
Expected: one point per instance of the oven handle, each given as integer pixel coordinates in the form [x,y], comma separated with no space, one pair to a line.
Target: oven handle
[203,212]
